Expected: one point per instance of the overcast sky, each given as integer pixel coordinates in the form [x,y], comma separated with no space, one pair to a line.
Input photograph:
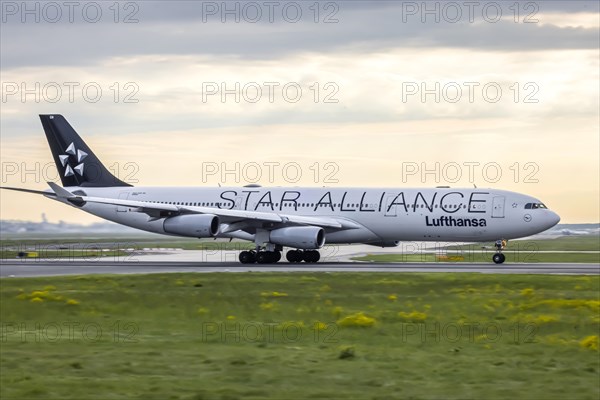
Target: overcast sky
[348,93]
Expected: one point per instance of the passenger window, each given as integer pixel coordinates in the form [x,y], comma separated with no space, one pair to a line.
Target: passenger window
[528,206]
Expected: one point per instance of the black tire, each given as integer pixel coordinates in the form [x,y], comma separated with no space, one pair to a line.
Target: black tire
[498,258]
[317,256]
[263,257]
[311,256]
[276,256]
[294,256]
[291,256]
[503,258]
[246,257]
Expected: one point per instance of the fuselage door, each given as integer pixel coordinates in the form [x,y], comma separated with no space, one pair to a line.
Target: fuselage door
[498,206]
[123,196]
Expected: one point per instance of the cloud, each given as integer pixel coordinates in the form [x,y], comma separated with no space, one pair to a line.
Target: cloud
[373,54]
[168,30]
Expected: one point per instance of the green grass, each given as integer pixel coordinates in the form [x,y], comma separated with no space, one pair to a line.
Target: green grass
[563,243]
[91,248]
[253,336]
[479,256]
[89,254]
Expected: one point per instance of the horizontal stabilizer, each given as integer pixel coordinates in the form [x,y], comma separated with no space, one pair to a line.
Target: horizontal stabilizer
[28,191]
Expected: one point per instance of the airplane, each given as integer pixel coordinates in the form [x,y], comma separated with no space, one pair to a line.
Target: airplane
[300,218]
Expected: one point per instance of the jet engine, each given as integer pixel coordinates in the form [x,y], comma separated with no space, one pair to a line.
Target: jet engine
[300,237]
[193,225]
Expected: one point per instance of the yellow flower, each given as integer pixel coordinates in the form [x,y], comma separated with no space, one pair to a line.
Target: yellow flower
[392,297]
[413,316]
[202,310]
[36,300]
[274,294]
[544,319]
[230,317]
[267,306]
[527,292]
[337,311]
[72,302]
[319,326]
[359,319]
[590,342]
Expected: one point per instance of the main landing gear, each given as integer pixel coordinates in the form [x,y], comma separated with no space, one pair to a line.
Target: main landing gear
[309,256]
[499,258]
[261,257]
[270,257]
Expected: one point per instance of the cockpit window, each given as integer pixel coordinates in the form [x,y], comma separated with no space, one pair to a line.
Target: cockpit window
[529,206]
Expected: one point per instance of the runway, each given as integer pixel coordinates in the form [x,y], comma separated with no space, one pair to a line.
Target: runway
[36,268]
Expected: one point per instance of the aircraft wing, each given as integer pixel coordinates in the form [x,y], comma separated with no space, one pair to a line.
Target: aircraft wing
[236,219]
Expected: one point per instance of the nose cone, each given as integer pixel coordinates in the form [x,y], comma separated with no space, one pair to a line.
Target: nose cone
[553,218]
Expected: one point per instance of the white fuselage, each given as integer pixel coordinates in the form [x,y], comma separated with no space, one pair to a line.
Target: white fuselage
[385,215]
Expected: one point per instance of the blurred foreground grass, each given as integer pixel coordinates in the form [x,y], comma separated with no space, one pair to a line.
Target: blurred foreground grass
[299,335]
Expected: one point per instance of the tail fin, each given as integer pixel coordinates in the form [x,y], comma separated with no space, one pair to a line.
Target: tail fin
[76,162]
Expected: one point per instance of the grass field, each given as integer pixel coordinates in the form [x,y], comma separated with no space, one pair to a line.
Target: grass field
[298,335]
[485,257]
[518,251]
[563,243]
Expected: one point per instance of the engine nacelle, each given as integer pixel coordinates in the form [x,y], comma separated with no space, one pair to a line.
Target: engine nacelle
[300,237]
[389,243]
[193,225]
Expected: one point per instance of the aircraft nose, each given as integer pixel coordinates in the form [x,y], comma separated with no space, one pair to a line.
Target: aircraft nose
[553,218]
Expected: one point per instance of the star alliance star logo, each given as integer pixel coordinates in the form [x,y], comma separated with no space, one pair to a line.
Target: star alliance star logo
[64,160]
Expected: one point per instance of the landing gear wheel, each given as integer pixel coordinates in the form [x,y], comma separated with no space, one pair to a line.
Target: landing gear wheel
[317,256]
[276,256]
[263,257]
[311,256]
[268,257]
[294,256]
[498,258]
[247,257]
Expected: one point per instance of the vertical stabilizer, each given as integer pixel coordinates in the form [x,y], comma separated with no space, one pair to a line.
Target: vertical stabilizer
[76,162]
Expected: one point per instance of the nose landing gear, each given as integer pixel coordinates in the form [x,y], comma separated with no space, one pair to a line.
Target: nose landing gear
[499,258]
